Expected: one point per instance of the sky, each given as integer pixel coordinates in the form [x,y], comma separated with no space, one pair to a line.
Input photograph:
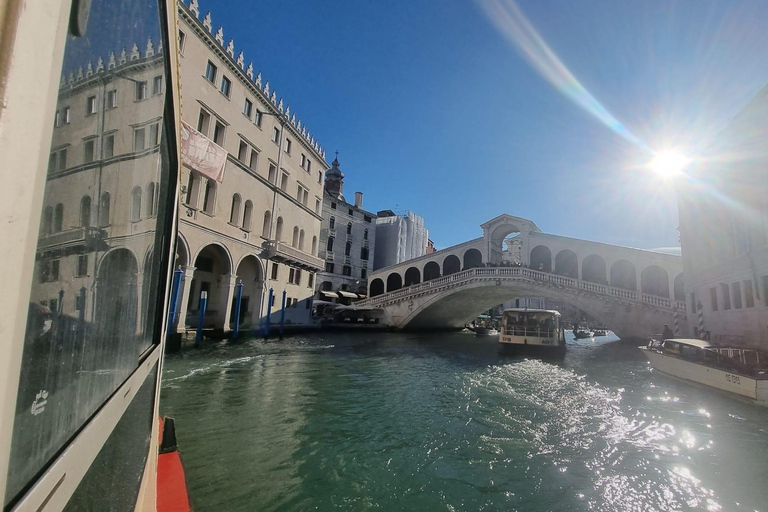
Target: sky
[458,112]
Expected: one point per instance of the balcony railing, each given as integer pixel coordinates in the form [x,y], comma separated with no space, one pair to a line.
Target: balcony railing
[280,251]
[69,238]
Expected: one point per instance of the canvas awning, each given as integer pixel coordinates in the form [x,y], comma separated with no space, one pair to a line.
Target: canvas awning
[348,295]
[330,295]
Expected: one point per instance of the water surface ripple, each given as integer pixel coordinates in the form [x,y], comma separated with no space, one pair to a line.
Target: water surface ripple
[450,422]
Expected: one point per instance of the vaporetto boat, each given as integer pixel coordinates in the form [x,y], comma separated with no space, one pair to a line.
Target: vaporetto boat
[533,329]
[739,370]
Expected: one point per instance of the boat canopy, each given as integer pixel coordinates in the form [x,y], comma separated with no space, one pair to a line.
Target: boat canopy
[691,341]
[531,310]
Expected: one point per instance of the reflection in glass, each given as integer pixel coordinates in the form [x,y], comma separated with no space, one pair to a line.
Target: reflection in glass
[92,310]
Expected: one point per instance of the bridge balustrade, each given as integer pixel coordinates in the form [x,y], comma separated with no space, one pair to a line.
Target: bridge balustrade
[532,274]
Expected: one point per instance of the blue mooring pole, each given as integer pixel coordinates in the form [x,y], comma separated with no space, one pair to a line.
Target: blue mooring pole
[282,316]
[174,298]
[269,312]
[238,300]
[201,317]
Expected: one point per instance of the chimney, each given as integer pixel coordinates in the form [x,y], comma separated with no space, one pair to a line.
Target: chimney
[358,199]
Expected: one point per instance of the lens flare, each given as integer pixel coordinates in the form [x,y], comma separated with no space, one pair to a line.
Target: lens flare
[515,27]
[669,164]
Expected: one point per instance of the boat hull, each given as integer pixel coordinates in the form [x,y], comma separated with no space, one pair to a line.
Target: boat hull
[742,385]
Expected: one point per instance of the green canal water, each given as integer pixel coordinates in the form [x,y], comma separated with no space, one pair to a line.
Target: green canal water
[448,422]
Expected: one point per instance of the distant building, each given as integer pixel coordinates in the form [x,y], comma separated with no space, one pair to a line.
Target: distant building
[430,247]
[399,238]
[347,240]
[723,209]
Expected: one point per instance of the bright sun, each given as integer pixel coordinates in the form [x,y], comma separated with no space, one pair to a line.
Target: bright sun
[669,164]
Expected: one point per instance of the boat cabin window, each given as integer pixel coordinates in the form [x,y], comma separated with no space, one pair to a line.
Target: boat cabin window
[690,353]
[525,323]
[750,357]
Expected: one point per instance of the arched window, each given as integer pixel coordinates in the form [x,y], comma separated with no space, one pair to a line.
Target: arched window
[365,234]
[209,198]
[349,228]
[348,249]
[332,222]
[150,199]
[104,210]
[266,224]
[48,221]
[136,204]
[295,238]
[85,212]
[301,240]
[279,229]
[234,212]
[314,245]
[247,213]
[58,218]
[329,247]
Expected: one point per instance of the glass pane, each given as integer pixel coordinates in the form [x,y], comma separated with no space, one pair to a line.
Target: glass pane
[93,298]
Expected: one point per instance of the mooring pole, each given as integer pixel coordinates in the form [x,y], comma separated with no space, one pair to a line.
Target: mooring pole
[238,301]
[201,317]
[269,311]
[174,298]
[282,316]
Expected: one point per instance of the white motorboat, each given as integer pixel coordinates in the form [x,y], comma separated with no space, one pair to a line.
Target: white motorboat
[739,370]
[533,329]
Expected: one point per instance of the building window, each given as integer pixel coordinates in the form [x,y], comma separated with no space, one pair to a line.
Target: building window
[309,165]
[82,265]
[279,229]
[112,98]
[351,212]
[275,267]
[319,177]
[154,134]
[85,211]
[49,271]
[90,105]
[109,145]
[138,139]
[348,249]
[295,238]
[234,212]
[218,134]
[203,121]
[294,276]
[136,204]
[65,115]
[303,161]
[365,234]
[149,195]
[57,119]
[157,85]
[209,198]
[364,273]
[62,159]
[726,296]
[226,86]
[364,253]
[749,295]
[210,72]
[736,294]
[104,210]
[332,222]
[88,150]
[329,267]
[288,145]
[272,174]
[314,246]
[253,162]
[247,108]
[193,190]
[247,213]
[367,219]
[284,182]
[48,221]
[141,90]
[265,226]
[311,280]
[257,118]
[275,134]
[317,206]
[333,206]
[349,228]
[182,40]
[713,298]
[329,246]
[242,151]
[347,270]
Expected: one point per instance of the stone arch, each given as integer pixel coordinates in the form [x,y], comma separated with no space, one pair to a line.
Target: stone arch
[377,287]
[451,265]
[593,269]
[431,271]
[654,280]
[567,264]
[222,251]
[472,259]
[541,258]
[250,272]
[182,252]
[623,275]
[679,287]
[212,263]
[117,297]
[394,282]
[412,276]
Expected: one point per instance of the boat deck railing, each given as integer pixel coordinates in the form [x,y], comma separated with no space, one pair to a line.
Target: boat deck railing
[531,332]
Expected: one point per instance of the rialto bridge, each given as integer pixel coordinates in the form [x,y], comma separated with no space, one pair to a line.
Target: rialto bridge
[632,291]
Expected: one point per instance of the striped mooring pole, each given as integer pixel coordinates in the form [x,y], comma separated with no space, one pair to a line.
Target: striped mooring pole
[677,321]
[700,310]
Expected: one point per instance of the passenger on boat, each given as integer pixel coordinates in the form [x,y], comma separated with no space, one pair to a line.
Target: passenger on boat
[667,334]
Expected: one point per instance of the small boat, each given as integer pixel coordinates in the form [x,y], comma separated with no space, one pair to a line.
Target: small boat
[581,332]
[486,331]
[739,370]
[532,329]
[600,332]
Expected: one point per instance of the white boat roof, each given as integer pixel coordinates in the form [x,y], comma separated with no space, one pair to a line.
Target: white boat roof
[691,341]
[531,310]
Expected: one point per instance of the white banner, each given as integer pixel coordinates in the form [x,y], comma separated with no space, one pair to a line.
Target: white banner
[200,153]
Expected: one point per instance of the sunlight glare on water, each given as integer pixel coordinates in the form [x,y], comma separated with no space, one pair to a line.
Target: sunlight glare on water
[447,421]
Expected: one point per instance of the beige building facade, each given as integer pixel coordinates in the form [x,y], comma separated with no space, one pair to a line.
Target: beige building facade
[260,224]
